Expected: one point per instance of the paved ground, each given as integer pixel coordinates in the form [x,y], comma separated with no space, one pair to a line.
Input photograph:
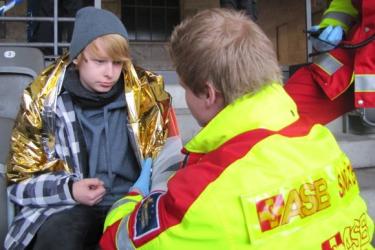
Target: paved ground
[366,179]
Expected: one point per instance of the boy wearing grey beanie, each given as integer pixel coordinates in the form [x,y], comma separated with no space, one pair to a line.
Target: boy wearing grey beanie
[92,162]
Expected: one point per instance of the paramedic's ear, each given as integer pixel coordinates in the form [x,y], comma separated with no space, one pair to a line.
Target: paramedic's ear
[75,61]
[212,95]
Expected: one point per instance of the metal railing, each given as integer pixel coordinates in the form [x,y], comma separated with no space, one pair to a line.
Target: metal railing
[55,19]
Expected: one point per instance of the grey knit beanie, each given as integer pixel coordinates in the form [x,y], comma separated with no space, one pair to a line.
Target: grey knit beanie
[90,24]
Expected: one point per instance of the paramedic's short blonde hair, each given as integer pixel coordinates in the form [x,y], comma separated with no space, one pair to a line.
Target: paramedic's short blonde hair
[116,47]
[226,48]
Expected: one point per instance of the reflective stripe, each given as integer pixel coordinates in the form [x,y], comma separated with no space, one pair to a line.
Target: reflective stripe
[327,63]
[342,17]
[120,209]
[364,83]
[120,203]
[122,236]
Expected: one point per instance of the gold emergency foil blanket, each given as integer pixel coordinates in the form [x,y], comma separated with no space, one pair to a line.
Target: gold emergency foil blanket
[32,139]
[148,107]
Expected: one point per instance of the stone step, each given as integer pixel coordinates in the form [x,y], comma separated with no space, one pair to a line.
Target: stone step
[359,148]
[366,180]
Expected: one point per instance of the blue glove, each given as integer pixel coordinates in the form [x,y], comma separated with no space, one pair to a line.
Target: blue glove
[143,183]
[328,39]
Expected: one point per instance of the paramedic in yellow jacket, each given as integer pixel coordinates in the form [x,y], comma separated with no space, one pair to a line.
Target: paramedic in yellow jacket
[256,176]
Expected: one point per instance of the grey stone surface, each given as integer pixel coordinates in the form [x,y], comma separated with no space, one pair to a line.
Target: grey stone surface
[366,180]
[152,56]
[359,148]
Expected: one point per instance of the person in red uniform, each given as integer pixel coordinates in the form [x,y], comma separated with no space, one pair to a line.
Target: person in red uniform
[342,79]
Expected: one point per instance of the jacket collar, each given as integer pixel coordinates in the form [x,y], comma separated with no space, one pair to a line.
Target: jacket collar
[270,108]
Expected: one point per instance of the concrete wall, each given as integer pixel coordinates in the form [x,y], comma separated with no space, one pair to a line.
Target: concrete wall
[284,22]
[151,55]
[190,7]
[14,31]
[113,6]
[154,55]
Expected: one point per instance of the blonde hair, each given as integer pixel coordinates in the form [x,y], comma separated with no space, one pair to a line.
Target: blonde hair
[226,48]
[114,45]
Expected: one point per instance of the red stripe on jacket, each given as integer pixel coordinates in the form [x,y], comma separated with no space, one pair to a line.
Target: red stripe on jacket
[202,169]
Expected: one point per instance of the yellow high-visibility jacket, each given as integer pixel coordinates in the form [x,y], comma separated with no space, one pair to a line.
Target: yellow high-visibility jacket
[256,177]
[340,12]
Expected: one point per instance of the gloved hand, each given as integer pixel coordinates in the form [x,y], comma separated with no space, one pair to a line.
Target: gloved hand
[328,39]
[142,185]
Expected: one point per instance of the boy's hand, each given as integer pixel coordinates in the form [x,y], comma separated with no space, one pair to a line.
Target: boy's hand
[328,39]
[142,185]
[88,191]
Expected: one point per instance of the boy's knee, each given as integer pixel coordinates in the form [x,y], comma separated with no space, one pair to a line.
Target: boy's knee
[59,229]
